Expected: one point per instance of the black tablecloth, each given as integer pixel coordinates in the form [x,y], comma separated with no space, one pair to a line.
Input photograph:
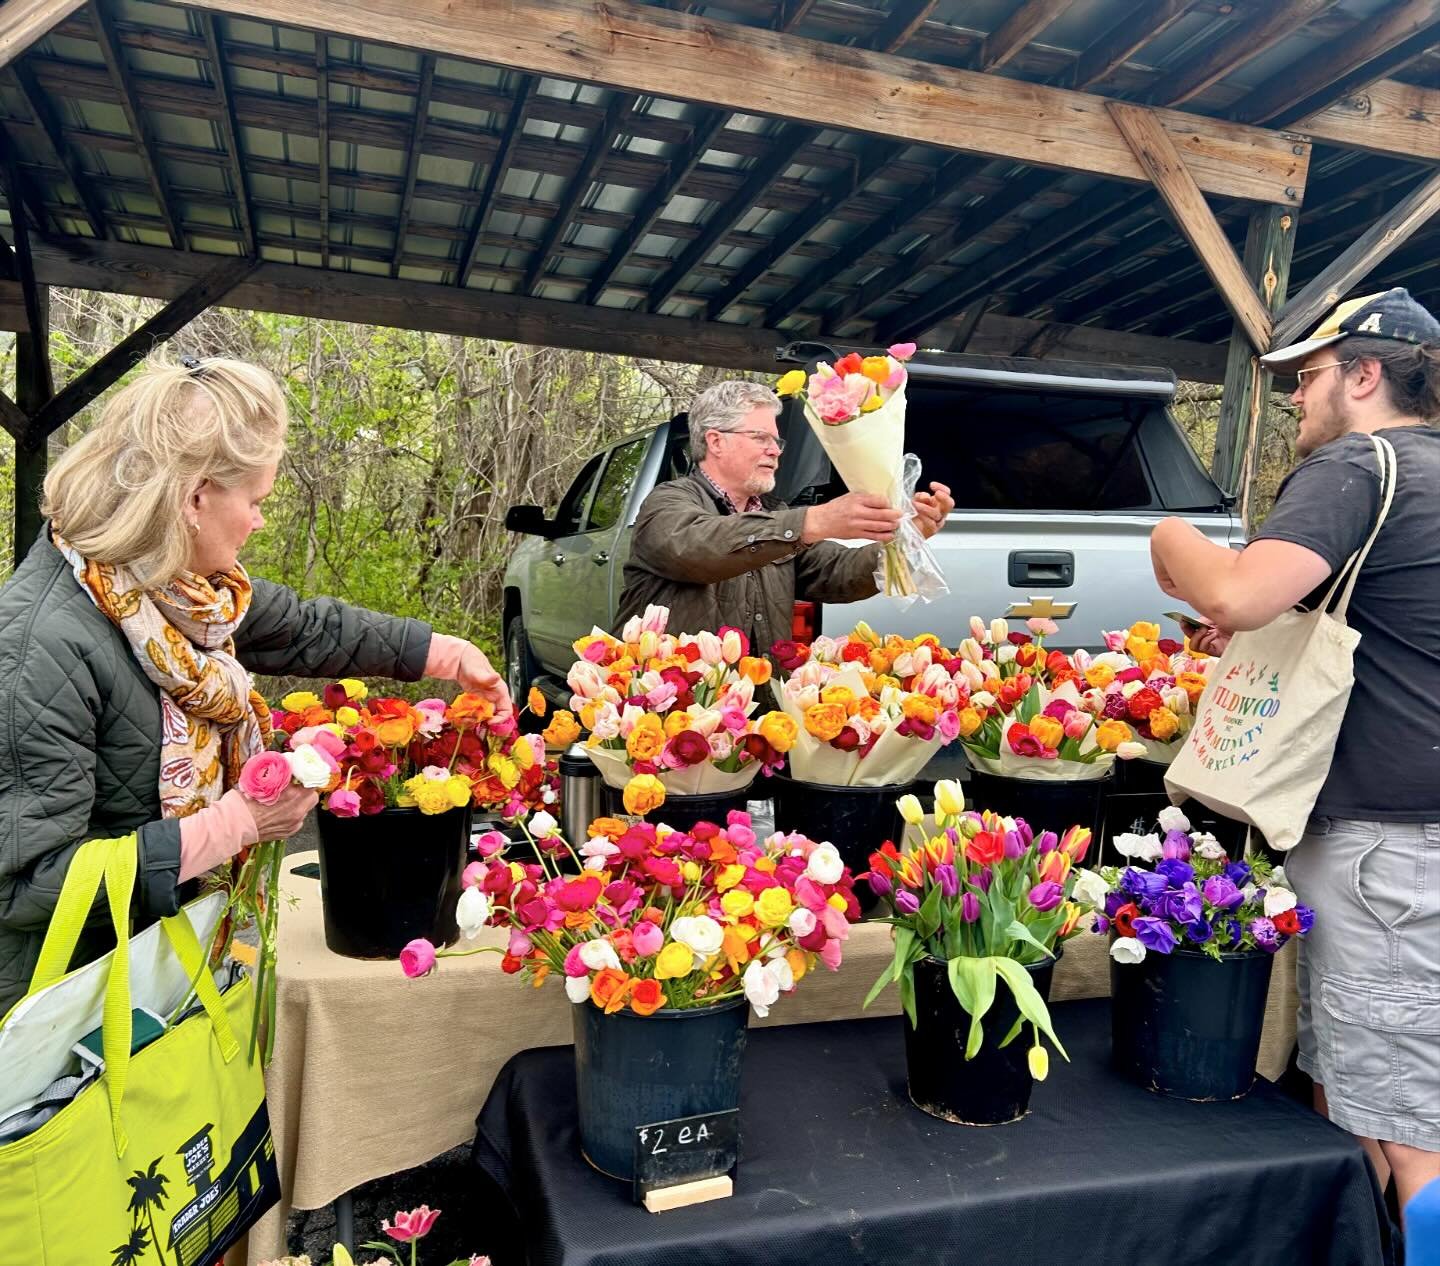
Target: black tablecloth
[837,1166]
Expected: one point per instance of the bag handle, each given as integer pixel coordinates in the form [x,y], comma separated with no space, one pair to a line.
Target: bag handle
[181,933]
[72,912]
[1348,575]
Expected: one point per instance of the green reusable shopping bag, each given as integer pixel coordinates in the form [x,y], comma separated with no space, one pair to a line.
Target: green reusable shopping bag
[167,1156]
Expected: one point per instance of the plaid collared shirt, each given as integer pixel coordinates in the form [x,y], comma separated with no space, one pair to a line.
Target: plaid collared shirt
[752,503]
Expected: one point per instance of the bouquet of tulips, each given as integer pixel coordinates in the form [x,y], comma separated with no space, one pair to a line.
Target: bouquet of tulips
[672,713]
[984,894]
[643,917]
[1153,683]
[856,408]
[1029,711]
[867,710]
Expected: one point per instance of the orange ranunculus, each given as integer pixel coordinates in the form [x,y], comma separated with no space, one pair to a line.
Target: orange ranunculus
[1110,734]
[735,945]
[1164,724]
[646,997]
[535,701]
[607,828]
[840,696]
[677,721]
[395,731]
[824,720]
[755,667]
[779,730]
[799,962]
[920,708]
[1193,684]
[1048,730]
[609,988]
[317,715]
[646,739]
[643,794]
[562,730]
[470,709]
[1099,676]
[970,721]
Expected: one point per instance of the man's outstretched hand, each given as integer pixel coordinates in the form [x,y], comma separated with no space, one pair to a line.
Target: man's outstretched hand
[932,508]
[853,515]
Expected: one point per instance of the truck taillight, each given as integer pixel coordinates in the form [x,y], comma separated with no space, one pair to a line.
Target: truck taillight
[803,622]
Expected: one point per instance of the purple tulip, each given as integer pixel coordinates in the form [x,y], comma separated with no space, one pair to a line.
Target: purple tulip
[983,878]
[1155,935]
[1014,845]
[969,907]
[879,883]
[948,880]
[1046,896]
[907,902]
[1047,841]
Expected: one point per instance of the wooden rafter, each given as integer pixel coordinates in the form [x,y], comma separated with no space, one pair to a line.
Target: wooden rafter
[500,163]
[751,70]
[901,25]
[1374,246]
[1022,26]
[1193,217]
[19,186]
[24,22]
[601,140]
[412,161]
[1265,27]
[22,261]
[322,140]
[1388,118]
[12,418]
[130,351]
[230,131]
[119,69]
[60,154]
[1146,21]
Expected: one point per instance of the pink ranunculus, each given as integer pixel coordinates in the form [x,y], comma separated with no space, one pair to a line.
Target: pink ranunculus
[647,939]
[344,803]
[578,894]
[488,843]
[417,958]
[265,777]
[473,875]
[432,716]
[830,954]
[574,964]
[411,1226]
[520,944]
[901,351]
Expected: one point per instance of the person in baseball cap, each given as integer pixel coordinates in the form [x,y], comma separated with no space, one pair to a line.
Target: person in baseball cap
[1392,314]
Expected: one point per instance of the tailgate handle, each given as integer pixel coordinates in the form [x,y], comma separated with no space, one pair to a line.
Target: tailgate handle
[1042,567]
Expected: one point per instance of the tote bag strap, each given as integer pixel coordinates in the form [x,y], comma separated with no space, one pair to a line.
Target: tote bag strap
[1348,575]
[186,944]
[72,911]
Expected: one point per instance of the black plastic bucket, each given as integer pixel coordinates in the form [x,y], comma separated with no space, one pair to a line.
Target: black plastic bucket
[1047,804]
[856,820]
[631,1070]
[990,1089]
[682,812]
[1186,1025]
[389,877]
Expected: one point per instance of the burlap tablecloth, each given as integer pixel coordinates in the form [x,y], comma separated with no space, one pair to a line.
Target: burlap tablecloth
[374,1074]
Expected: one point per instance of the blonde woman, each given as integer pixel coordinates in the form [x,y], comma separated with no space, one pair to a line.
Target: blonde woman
[127,639]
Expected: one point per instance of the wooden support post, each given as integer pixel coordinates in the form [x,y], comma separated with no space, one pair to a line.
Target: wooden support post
[1269,242]
[33,385]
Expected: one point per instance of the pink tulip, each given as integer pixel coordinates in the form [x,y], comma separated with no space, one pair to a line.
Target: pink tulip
[418,959]
[343,803]
[411,1226]
[1077,724]
[265,777]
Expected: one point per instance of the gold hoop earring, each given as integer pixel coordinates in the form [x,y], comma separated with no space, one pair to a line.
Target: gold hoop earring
[194,529]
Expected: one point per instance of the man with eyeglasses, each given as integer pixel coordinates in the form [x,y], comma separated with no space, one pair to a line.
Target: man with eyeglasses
[719,549]
[1369,863]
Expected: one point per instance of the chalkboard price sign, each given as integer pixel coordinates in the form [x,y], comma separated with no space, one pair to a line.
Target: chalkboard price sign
[668,1153]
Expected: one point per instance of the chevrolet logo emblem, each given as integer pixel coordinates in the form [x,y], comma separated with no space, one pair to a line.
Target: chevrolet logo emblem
[1041,609]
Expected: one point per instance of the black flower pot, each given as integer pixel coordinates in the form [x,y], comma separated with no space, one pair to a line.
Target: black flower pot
[632,1070]
[994,1087]
[682,812]
[1047,804]
[1187,1025]
[856,820]
[390,877]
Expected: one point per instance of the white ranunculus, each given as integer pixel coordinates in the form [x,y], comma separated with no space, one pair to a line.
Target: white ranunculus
[1277,901]
[779,969]
[1172,818]
[472,912]
[1126,949]
[825,865]
[309,768]
[802,921]
[543,825]
[599,954]
[1144,848]
[761,988]
[1090,889]
[577,988]
[700,932]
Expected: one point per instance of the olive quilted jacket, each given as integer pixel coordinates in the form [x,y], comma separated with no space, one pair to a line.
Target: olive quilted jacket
[80,734]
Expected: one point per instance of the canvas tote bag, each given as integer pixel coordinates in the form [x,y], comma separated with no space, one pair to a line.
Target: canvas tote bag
[1266,726]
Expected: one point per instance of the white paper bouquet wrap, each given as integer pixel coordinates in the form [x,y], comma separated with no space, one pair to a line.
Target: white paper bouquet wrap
[1010,764]
[695,780]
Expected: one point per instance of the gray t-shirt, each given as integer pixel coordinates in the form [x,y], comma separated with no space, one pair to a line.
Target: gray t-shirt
[1387,759]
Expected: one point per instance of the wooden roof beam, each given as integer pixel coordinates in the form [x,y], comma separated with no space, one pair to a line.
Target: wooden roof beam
[230,131]
[119,68]
[26,22]
[1390,117]
[1146,21]
[412,158]
[495,172]
[750,70]
[322,140]
[52,134]
[1022,26]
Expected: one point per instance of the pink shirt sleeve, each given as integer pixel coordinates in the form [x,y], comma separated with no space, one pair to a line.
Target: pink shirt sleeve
[215,834]
[444,658]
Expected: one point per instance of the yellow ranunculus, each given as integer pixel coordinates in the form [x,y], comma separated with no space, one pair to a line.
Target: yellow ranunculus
[779,730]
[299,700]
[1048,730]
[774,907]
[1099,676]
[737,903]
[876,368]
[504,769]
[430,795]
[1110,734]
[872,402]
[729,877]
[1164,724]
[674,961]
[691,871]
[646,739]
[523,755]
[799,962]
[562,730]
[790,382]
[458,788]
[347,716]
[970,721]
[824,720]
[355,690]
[836,902]
[643,794]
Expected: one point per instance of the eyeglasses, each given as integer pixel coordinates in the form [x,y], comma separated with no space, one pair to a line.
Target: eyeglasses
[762,437]
[1315,369]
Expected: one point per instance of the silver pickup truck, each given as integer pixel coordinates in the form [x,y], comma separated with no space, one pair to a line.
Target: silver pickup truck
[1059,472]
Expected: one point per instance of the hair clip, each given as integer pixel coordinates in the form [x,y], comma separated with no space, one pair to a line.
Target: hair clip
[191,363]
